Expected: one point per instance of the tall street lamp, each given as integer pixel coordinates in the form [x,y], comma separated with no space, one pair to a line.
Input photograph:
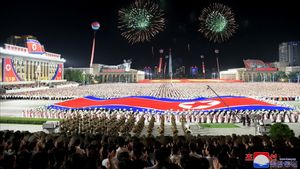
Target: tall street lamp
[95,26]
[203,66]
[218,66]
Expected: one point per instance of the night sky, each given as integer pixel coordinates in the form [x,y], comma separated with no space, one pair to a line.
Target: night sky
[64,27]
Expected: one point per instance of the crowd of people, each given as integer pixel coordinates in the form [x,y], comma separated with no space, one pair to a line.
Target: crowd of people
[112,138]
[171,91]
[213,116]
[116,122]
[174,90]
[24,150]
[95,115]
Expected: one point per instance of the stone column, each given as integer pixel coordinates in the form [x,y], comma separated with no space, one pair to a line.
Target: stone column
[29,70]
[132,78]
[25,70]
[47,71]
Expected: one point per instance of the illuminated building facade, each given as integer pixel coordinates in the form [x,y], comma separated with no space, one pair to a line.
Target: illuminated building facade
[29,63]
[254,71]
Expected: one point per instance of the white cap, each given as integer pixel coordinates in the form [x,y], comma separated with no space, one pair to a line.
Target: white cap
[104,162]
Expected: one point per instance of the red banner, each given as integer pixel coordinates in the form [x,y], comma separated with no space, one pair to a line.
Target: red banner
[58,72]
[34,46]
[9,75]
[266,69]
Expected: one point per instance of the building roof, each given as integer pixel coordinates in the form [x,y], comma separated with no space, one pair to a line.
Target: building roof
[258,65]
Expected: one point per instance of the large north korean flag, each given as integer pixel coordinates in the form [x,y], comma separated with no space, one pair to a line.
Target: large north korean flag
[141,103]
[34,46]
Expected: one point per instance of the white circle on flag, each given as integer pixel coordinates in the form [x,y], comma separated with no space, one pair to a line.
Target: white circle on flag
[33,47]
[8,67]
[59,70]
[199,104]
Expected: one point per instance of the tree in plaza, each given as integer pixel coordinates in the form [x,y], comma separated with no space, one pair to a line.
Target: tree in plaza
[74,75]
[98,79]
[281,75]
[293,76]
[67,75]
[89,78]
[280,131]
[77,76]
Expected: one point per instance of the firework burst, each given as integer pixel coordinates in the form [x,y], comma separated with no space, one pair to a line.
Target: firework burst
[217,23]
[141,21]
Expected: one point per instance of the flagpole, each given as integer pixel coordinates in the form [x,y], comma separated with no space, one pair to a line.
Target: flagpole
[218,66]
[170,65]
[203,66]
[93,49]
[208,87]
[95,27]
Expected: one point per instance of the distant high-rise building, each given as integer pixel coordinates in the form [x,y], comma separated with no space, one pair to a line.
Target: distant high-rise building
[289,53]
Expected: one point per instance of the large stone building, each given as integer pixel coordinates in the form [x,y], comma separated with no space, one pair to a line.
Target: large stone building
[254,71]
[113,73]
[23,60]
